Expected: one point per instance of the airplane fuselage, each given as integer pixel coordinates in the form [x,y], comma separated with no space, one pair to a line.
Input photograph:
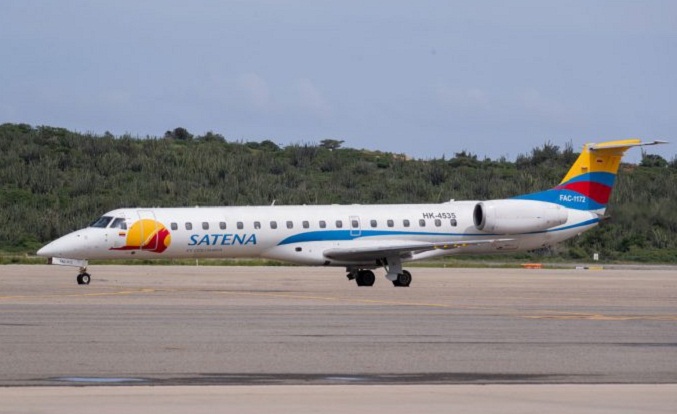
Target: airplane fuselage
[300,234]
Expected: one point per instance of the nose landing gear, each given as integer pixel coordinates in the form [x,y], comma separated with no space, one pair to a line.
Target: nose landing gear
[83,278]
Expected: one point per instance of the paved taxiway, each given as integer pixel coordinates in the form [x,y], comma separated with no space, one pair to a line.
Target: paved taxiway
[158,325]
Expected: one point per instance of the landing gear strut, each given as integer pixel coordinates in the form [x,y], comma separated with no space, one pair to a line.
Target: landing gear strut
[84,278]
[397,275]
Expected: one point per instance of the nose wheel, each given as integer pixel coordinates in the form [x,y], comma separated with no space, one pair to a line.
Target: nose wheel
[84,278]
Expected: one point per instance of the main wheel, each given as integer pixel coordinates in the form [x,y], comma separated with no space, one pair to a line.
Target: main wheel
[365,278]
[403,279]
[84,279]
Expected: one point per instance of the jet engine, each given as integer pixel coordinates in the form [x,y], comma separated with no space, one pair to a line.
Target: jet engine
[517,216]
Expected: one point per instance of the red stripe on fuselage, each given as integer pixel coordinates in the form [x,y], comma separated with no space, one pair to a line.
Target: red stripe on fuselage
[598,192]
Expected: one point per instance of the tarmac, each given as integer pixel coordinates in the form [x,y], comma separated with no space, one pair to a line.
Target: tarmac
[299,339]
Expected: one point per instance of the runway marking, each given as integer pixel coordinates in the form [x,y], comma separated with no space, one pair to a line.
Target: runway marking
[553,315]
[510,312]
[353,300]
[73,295]
[600,317]
[340,299]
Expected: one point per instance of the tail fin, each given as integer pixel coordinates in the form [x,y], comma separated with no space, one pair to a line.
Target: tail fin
[588,184]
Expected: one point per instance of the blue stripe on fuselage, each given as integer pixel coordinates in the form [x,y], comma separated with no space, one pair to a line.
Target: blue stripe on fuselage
[345,235]
[342,235]
[566,198]
[597,177]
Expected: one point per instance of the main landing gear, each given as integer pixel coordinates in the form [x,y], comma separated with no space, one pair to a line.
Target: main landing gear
[362,277]
[403,279]
[393,267]
[84,278]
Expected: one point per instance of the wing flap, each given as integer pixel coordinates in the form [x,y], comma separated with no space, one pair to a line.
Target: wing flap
[379,251]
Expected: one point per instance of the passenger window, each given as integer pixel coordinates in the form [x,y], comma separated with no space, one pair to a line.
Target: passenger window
[273,224]
[323,224]
[390,223]
[257,225]
[339,224]
[290,224]
[373,223]
[421,222]
[306,224]
[189,226]
[355,223]
[101,222]
[222,225]
[406,223]
[453,222]
[174,226]
[240,225]
[438,222]
[205,225]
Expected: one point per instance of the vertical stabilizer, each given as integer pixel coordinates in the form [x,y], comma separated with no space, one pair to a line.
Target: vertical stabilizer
[588,184]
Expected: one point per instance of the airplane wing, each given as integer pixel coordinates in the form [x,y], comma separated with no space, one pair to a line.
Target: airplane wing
[383,249]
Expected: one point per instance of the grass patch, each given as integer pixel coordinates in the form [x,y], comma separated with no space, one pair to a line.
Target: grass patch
[14,259]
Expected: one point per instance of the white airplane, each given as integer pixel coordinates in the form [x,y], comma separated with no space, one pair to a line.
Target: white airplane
[358,237]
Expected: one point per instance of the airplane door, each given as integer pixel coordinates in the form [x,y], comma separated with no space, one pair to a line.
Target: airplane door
[355,226]
[149,228]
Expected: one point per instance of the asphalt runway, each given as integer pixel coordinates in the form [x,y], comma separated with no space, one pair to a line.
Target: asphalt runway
[250,326]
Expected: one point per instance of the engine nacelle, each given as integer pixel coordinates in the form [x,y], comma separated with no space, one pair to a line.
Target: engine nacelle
[517,216]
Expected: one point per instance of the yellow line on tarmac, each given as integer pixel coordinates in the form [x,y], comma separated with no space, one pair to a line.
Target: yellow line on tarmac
[73,295]
[600,317]
[352,300]
[547,314]
[510,312]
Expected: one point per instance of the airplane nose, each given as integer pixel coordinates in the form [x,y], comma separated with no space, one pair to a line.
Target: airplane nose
[45,251]
[66,246]
[55,248]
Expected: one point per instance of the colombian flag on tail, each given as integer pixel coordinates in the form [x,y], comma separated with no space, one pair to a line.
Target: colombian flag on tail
[588,184]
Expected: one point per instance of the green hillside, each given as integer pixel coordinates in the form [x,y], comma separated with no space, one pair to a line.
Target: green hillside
[53,181]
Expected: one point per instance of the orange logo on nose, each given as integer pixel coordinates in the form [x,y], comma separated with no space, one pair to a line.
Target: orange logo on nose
[147,234]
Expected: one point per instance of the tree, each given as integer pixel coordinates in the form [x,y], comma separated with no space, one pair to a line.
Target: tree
[269,145]
[331,144]
[180,134]
[211,137]
[653,160]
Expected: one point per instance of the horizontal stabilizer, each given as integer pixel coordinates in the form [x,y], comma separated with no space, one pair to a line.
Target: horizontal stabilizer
[622,144]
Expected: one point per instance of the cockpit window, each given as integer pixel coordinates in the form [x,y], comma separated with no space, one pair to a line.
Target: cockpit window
[119,223]
[101,222]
